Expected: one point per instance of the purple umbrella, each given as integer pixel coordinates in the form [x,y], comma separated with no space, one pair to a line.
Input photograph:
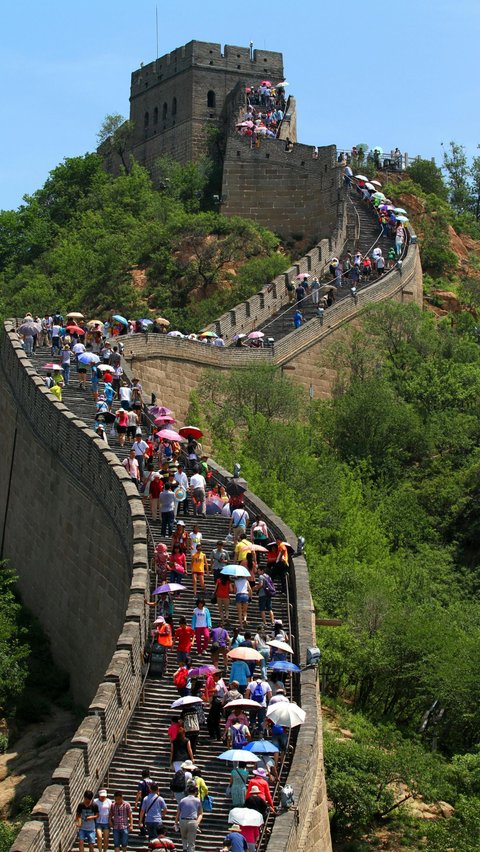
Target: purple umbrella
[202,670]
[169,587]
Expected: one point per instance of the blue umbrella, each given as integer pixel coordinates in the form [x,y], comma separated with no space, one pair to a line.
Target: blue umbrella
[118,318]
[261,747]
[284,666]
[235,571]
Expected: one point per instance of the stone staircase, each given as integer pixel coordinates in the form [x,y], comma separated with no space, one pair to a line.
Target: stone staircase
[369,231]
[146,743]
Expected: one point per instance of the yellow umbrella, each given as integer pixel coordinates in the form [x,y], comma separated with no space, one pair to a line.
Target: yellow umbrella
[162,321]
[75,315]
[92,323]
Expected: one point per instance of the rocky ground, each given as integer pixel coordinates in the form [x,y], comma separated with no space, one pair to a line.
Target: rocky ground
[27,766]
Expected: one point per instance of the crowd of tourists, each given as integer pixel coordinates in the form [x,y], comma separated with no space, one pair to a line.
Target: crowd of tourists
[230,660]
[264,111]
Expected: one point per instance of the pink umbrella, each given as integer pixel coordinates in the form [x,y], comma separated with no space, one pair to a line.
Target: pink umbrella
[245,124]
[170,435]
[164,420]
[304,275]
[255,335]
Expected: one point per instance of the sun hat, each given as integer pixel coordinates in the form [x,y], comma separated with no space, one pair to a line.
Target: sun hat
[261,772]
[255,789]
[188,764]
[234,828]
[102,793]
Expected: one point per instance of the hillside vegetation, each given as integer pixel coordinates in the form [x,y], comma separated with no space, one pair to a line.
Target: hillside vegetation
[383,482]
[99,243]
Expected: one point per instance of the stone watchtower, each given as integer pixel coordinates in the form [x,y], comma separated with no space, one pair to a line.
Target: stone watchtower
[174,99]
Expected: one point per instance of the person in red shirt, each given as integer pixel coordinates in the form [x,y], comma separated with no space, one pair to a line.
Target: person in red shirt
[107,376]
[184,636]
[178,564]
[261,782]
[156,488]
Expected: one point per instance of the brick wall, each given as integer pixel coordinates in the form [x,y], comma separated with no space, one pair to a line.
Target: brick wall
[289,192]
[75,532]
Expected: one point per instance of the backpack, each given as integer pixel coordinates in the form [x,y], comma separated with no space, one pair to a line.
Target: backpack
[191,723]
[287,798]
[180,678]
[239,739]
[269,586]
[177,784]
[258,693]
[145,787]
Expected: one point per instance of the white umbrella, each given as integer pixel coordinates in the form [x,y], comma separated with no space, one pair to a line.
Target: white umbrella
[237,755]
[241,702]
[185,700]
[75,315]
[245,816]
[174,334]
[282,646]
[361,177]
[88,358]
[289,715]
[103,367]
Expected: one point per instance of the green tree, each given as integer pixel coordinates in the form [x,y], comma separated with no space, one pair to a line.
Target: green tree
[13,650]
[429,177]
[117,132]
[455,163]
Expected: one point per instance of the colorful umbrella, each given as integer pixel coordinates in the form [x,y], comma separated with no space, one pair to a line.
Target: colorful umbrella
[287,714]
[237,755]
[120,319]
[282,646]
[190,432]
[249,654]
[245,816]
[255,335]
[207,334]
[284,666]
[169,587]
[261,747]
[88,358]
[160,411]
[185,700]
[51,367]
[235,571]
[212,507]
[75,329]
[169,435]
[199,671]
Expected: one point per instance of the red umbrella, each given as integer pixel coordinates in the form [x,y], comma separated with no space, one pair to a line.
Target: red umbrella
[169,435]
[75,329]
[265,83]
[190,432]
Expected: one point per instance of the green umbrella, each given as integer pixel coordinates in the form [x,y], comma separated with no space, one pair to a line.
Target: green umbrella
[363,146]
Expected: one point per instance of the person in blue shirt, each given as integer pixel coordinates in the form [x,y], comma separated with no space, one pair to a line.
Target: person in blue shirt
[152,811]
[109,394]
[297,319]
[234,841]
[241,673]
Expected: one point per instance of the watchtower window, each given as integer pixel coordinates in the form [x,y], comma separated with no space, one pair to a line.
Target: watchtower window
[174,106]
[155,115]
[146,119]
[211,99]
[164,111]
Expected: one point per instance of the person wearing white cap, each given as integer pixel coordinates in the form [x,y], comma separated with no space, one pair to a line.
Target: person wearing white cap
[102,823]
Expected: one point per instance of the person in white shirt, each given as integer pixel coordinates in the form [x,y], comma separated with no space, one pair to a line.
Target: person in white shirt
[195,538]
[181,479]
[139,447]
[102,822]
[198,487]
[219,341]
[131,466]
[125,396]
